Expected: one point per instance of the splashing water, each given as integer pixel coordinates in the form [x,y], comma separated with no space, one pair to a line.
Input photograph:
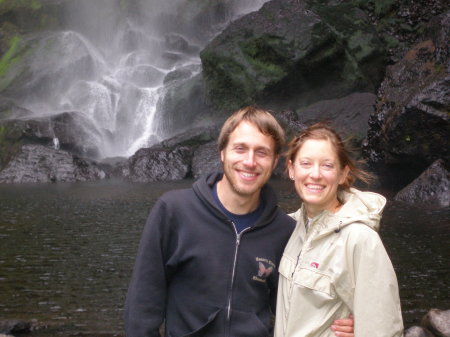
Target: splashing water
[109,65]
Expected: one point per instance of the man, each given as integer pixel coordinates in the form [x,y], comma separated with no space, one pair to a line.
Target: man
[208,257]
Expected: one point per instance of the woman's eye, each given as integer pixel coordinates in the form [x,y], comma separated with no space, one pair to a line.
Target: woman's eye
[305,164]
[328,166]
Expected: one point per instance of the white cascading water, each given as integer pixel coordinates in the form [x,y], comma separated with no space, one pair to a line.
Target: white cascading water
[109,66]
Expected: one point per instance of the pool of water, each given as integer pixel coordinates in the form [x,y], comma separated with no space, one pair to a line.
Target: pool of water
[67,252]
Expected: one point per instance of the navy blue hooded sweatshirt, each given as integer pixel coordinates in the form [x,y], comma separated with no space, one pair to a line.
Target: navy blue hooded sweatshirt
[195,273]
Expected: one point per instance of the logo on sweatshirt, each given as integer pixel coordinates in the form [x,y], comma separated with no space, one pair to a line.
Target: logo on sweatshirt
[265,268]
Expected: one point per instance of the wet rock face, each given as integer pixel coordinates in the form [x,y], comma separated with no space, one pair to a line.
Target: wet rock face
[41,164]
[436,323]
[73,131]
[417,331]
[158,164]
[431,188]
[411,124]
[302,53]
[206,159]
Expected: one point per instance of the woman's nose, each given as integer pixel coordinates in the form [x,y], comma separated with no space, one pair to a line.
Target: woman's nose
[315,172]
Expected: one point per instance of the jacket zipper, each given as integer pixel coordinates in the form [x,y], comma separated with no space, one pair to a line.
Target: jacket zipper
[238,241]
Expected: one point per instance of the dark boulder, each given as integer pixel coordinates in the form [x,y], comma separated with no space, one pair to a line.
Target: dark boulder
[292,54]
[192,137]
[206,159]
[183,102]
[15,326]
[431,188]
[349,115]
[158,164]
[409,127]
[41,164]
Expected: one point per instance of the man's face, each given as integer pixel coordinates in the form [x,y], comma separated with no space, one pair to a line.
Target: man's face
[248,159]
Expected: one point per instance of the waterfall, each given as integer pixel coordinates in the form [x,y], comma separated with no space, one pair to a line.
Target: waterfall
[109,64]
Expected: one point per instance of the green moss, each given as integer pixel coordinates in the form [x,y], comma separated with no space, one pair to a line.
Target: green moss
[228,84]
[10,56]
[263,58]
[35,4]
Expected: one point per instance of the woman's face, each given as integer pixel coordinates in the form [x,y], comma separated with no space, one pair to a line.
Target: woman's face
[317,174]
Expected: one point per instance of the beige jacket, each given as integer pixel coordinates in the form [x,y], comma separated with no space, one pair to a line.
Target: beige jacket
[338,267]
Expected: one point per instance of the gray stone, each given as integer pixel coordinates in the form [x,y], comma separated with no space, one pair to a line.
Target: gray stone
[74,132]
[158,164]
[431,188]
[417,331]
[349,114]
[206,159]
[437,321]
[41,164]
[10,326]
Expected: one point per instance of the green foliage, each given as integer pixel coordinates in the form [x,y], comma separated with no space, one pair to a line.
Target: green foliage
[10,56]
[15,4]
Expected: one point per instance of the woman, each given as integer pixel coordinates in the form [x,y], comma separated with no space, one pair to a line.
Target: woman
[334,263]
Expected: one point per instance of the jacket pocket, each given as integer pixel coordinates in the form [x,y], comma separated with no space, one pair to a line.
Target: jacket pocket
[249,324]
[316,281]
[205,329]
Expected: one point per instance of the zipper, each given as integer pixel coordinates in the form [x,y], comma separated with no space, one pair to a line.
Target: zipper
[238,242]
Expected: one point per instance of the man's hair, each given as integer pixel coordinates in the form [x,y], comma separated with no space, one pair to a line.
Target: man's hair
[262,119]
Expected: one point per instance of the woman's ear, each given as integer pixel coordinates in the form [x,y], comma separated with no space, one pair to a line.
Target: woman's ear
[290,170]
[344,175]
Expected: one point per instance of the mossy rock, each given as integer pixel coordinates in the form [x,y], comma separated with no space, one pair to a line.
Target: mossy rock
[291,49]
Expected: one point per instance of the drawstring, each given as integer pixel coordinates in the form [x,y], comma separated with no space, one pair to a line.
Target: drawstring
[339,227]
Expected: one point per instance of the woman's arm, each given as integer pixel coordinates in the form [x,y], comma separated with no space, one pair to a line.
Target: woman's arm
[376,301]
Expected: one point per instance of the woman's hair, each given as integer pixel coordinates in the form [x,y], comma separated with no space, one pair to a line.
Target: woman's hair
[262,119]
[323,131]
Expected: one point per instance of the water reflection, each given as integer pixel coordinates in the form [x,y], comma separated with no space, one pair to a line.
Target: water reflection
[67,251]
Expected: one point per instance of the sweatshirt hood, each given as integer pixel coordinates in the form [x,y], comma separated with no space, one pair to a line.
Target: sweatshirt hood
[203,189]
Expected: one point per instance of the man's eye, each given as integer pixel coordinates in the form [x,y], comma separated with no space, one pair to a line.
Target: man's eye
[261,153]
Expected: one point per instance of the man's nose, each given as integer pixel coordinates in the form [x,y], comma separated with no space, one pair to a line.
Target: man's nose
[250,159]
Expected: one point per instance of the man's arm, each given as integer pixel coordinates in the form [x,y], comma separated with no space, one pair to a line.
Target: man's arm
[146,297]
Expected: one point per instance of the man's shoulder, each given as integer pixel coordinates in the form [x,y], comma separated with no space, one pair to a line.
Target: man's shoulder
[177,195]
[284,220]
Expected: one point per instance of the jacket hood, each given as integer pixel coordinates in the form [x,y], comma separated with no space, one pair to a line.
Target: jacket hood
[203,189]
[359,207]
